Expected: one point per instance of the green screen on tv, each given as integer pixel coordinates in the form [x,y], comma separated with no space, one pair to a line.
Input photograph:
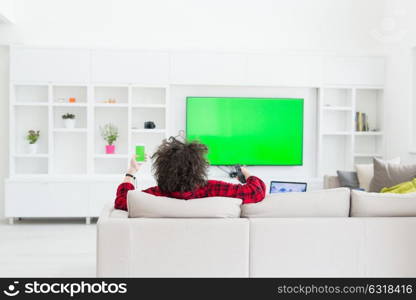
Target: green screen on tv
[247,131]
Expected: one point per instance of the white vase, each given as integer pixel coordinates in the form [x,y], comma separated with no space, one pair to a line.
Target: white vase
[69,123]
[32,148]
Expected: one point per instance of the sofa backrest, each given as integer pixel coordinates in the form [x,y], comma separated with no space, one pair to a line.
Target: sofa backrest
[145,205]
[320,203]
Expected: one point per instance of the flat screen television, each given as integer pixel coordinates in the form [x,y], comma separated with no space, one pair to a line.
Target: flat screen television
[247,131]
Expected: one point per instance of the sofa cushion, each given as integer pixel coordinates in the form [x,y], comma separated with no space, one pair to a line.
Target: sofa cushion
[321,203]
[365,204]
[348,179]
[141,204]
[389,174]
[365,173]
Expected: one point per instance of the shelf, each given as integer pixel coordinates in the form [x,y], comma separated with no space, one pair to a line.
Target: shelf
[337,133]
[24,155]
[148,131]
[54,104]
[149,106]
[345,87]
[111,156]
[69,152]
[367,155]
[368,133]
[70,104]
[337,108]
[364,133]
[31,94]
[337,97]
[148,97]
[31,103]
[62,93]
[111,105]
[104,93]
[70,130]
[79,151]
[80,113]
[151,112]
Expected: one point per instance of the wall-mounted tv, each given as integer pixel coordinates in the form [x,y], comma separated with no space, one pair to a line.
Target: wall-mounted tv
[247,131]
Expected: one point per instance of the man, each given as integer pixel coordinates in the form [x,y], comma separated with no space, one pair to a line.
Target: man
[180,169]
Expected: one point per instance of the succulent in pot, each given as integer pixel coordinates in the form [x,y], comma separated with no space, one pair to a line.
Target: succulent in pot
[69,120]
[32,137]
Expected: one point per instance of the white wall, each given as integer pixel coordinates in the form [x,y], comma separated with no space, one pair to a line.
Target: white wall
[4,121]
[397,35]
[215,24]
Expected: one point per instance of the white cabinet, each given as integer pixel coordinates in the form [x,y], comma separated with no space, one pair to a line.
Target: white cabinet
[349,70]
[284,70]
[40,198]
[27,199]
[101,193]
[44,65]
[68,199]
[207,68]
[138,67]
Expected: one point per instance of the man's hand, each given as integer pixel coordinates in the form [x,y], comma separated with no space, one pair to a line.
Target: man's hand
[134,166]
[245,172]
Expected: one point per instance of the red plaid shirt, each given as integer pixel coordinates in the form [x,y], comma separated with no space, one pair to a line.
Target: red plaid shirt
[251,192]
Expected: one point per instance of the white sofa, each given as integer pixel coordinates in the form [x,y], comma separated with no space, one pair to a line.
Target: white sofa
[340,246]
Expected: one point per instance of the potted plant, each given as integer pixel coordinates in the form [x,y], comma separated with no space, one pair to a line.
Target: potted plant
[109,132]
[32,137]
[69,120]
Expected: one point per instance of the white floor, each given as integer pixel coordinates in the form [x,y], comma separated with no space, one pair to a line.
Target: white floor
[47,248]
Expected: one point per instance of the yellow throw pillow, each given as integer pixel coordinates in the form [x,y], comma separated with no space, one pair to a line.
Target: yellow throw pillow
[401,188]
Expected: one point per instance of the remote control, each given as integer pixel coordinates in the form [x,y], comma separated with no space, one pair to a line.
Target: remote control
[240,175]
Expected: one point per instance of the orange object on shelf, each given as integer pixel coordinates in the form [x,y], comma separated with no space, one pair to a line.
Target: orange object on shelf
[72,100]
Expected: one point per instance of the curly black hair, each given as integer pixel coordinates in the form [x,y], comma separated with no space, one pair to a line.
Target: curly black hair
[180,166]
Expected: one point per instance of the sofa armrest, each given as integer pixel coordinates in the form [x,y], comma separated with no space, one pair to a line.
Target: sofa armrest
[109,212]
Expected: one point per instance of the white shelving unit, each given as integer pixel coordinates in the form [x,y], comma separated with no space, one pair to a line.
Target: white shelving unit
[81,150]
[340,146]
[71,176]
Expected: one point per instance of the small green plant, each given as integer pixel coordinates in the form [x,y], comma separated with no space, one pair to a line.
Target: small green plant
[109,132]
[33,136]
[68,116]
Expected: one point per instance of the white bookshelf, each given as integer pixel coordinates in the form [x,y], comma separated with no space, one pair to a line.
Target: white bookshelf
[81,150]
[340,146]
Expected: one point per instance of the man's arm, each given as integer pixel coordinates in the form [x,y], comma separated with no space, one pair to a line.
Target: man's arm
[121,196]
[253,191]
[126,186]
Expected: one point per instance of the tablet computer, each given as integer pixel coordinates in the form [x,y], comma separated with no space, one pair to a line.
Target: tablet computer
[287,187]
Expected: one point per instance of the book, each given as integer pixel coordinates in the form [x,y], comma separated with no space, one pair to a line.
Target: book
[361,121]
